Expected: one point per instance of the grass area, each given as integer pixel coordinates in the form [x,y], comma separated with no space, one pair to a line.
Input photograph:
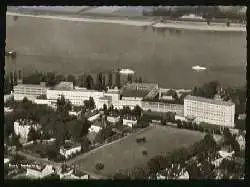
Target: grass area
[127,153]
[39,149]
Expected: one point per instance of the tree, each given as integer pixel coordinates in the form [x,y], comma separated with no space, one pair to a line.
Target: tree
[137,111]
[80,80]
[51,79]
[99,81]
[15,141]
[110,79]
[33,135]
[71,78]
[59,78]
[210,89]
[118,80]
[105,109]
[74,128]
[85,144]
[99,166]
[89,83]
[129,78]
[91,103]
[140,80]
[63,107]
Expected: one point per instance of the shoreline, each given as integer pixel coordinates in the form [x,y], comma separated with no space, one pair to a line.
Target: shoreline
[140,23]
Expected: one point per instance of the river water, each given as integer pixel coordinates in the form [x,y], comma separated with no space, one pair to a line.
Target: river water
[163,57]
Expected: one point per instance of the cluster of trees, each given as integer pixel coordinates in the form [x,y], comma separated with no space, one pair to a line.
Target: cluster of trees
[203,127]
[56,124]
[207,12]
[52,79]
[89,104]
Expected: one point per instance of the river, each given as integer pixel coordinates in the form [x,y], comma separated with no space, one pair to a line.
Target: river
[164,57]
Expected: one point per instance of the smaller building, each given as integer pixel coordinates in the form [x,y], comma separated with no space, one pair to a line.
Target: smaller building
[30,91]
[129,122]
[40,172]
[113,119]
[22,128]
[41,102]
[69,148]
[75,113]
[8,110]
[94,117]
[95,128]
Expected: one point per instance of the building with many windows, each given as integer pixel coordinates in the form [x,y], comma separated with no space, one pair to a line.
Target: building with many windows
[30,91]
[209,110]
[75,96]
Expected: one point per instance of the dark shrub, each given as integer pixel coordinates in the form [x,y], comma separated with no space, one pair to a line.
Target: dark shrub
[99,166]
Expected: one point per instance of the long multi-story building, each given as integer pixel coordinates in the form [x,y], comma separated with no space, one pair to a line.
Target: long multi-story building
[30,91]
[75,96]
[211,111]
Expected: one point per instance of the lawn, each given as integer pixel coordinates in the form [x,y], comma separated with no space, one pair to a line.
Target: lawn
[127,153]
[39,149]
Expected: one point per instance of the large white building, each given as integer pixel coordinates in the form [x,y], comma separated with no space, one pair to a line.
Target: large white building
[68,150]
[210,111]
[75,96]
[30,91]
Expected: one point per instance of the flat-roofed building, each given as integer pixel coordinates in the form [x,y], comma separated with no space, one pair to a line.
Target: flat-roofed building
[209,110]
[75,96]
[162,107]
[30,91]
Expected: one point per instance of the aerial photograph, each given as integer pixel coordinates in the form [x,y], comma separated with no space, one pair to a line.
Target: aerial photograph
[125,92]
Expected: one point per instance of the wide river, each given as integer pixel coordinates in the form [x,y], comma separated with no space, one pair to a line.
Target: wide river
[163,57]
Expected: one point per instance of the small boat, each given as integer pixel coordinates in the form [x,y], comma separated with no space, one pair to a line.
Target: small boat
[10,53]
[198,68]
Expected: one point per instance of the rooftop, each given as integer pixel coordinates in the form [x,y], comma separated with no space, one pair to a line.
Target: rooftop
[134,93]
[64,86]
[211,101]
[29,85]
[106,98]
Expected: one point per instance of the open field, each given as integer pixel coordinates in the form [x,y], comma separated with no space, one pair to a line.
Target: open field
[127,153]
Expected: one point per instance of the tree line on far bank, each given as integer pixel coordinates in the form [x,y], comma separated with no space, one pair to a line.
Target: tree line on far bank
[102,81]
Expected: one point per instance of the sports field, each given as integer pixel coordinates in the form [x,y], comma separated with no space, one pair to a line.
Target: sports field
[127,153]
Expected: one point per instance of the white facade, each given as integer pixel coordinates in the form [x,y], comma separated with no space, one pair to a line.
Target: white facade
[75,96]
[8,97]
[113,119]
[48,170]
[129,122]
[41,101]
[22,128]
[8,110]
[162,107]
[182,118]
[210,111]
[30,91]
[68,152]
[94,128]
[95,117]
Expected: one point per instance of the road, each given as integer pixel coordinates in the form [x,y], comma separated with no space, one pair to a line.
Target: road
[170,24]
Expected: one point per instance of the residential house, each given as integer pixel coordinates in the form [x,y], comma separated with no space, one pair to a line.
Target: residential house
[40,172]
